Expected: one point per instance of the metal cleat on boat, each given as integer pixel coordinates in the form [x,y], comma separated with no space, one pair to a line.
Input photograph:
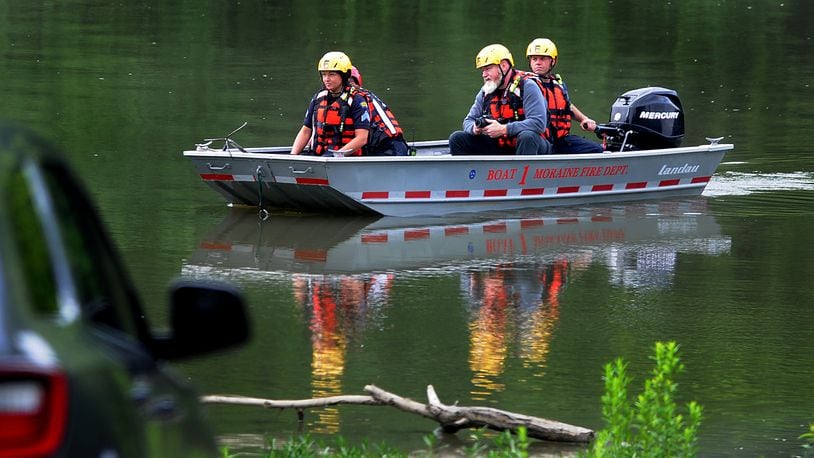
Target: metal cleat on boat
[203,146]
[714,141]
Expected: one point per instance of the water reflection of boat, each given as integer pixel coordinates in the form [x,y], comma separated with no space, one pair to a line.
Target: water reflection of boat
[512,272]
[337,307]
[628,239]
[513,305]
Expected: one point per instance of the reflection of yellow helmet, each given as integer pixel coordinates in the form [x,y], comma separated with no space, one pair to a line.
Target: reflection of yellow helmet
[542,47]
[493,54]
[334,61]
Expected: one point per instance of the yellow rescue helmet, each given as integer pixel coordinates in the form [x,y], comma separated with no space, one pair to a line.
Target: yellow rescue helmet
[493,54]
[334,61]
[542,47]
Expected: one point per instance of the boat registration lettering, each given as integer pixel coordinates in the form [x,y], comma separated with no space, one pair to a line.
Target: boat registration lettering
[573,172]
[612,170]
[501,174]
[556,172]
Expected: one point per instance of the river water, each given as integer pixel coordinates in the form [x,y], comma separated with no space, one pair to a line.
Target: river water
[517,311]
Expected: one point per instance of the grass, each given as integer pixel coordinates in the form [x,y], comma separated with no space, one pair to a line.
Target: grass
[504,445]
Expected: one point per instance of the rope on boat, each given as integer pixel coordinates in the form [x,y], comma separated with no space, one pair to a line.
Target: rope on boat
[262,213]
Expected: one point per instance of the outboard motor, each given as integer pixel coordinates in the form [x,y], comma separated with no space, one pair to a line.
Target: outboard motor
[646,118]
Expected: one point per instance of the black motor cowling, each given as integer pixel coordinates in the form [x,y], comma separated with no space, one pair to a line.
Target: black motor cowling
[646,118]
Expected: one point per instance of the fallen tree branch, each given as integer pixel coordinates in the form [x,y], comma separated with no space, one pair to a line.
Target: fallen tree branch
[451,418]
[292,404]
[454,418]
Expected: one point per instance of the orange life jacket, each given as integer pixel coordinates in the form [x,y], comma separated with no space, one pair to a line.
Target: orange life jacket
[333,123]
[380,114]
[508,106]
[383,124]
[559,109]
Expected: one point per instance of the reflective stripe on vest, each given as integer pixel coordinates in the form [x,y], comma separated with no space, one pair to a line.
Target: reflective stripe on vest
[380,114]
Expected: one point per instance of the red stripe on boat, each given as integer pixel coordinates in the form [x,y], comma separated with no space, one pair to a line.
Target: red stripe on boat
[417,195]
[311,255]
[416,234]
[567,189]
[375,195]
[217,177]
[636,185]
[532,191]
[374,238]
[700,180]
[313,181]
[457,230]
[531,223]
[495,192]
[602,187]
[567,220]
[601,219]
[494,228]
[672,182]
[456,193]
[222,246]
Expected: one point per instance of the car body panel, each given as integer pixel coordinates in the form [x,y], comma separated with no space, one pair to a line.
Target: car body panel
[68,311]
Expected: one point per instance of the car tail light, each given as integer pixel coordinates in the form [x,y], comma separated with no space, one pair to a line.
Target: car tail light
[33,411]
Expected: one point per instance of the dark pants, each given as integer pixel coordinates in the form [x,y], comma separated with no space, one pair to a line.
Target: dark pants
[574,144]
[391,147]
[528,143]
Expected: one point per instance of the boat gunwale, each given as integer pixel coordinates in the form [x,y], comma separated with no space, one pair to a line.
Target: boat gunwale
[272,153]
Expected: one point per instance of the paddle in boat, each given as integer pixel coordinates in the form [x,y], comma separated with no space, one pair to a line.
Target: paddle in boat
[643,160]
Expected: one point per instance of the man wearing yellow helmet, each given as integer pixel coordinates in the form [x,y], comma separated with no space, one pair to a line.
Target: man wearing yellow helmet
[337,121]
[509,113]
[542,56]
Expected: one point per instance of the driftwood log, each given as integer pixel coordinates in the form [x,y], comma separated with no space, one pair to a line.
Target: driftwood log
[451,418]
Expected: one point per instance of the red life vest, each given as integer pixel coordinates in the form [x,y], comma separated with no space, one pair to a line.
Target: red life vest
[333,123]
[508,106]
[559,109]
[380,115]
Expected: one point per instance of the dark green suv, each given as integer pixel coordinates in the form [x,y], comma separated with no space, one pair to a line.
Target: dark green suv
[81,371]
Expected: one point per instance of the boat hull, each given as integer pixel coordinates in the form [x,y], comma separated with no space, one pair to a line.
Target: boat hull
[433,183]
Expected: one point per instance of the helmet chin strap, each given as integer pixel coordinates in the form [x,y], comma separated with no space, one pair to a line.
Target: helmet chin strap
[345,83]
[503,74]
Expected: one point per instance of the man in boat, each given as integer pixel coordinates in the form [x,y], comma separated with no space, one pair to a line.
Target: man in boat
[385,137]
[542,56]
[337,120]
[509,114]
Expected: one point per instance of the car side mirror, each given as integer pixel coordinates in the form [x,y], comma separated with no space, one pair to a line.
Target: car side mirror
[205,316]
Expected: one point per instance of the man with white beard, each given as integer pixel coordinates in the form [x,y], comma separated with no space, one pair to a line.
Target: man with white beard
[509,114]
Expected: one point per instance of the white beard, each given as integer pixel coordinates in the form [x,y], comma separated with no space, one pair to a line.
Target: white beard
[489,87]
